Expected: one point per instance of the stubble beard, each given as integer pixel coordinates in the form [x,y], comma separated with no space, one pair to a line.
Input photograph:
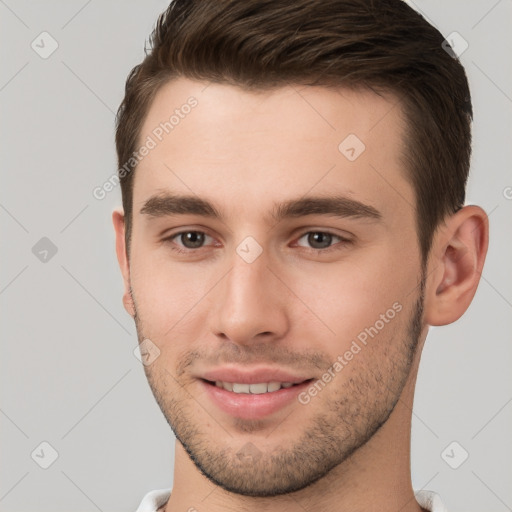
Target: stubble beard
[329,438]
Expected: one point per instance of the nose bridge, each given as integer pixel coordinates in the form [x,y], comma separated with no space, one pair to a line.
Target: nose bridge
[249,275]
[249,302]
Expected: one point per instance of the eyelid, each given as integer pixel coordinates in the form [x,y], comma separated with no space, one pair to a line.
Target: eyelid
[345,235]
[314,228]
[173,232]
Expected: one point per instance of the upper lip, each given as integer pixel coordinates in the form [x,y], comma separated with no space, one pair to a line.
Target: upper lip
[253,376]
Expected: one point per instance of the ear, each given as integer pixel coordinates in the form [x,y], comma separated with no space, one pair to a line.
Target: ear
[122,258]
[455,265]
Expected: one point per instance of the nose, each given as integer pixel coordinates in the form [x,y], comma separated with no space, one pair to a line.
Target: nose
[250,303]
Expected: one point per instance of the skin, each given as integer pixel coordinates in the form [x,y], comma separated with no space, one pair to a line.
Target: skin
[298,306]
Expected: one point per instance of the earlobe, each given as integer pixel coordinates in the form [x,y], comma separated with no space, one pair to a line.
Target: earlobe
[119,227]
[459,251]
[128,303]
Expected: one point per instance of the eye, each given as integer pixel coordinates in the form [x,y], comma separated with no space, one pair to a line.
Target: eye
[319,241]
[322,240]
[190,240]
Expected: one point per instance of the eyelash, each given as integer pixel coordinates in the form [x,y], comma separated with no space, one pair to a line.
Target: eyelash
[334,247]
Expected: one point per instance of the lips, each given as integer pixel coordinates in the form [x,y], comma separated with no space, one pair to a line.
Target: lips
[256,376]
[252,394]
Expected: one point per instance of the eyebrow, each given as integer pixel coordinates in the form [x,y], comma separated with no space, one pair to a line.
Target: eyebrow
[167,204]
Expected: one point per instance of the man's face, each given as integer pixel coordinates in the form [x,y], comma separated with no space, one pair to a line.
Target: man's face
[328,299]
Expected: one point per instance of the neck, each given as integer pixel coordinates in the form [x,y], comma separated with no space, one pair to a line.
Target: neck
[374,478]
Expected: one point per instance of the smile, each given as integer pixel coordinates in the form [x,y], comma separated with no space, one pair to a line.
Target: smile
[254,389]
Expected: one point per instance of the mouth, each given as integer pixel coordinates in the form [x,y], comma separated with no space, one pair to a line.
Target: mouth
[258,388]
[253,401]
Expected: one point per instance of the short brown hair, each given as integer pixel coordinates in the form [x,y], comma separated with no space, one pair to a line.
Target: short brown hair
[263,44]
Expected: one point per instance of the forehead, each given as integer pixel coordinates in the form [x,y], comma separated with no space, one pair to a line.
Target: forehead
[240,148]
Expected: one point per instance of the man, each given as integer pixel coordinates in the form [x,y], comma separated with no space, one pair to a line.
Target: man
[293,182]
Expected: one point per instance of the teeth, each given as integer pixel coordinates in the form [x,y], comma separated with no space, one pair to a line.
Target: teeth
[254,389]
[274,386]
[257,389]
[241,388]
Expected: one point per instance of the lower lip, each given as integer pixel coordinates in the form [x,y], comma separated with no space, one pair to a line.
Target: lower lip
[248,406]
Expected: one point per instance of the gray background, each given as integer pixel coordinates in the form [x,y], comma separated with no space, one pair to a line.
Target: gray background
[68,373]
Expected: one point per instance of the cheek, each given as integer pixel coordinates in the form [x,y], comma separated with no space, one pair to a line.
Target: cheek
[166,294]
[350,297]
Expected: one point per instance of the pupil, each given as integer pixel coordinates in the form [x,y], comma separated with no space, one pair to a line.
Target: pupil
[192,239]
[324,239]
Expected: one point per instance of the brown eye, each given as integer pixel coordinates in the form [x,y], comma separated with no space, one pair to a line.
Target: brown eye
[191,239]
[187,241]
[320,240]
